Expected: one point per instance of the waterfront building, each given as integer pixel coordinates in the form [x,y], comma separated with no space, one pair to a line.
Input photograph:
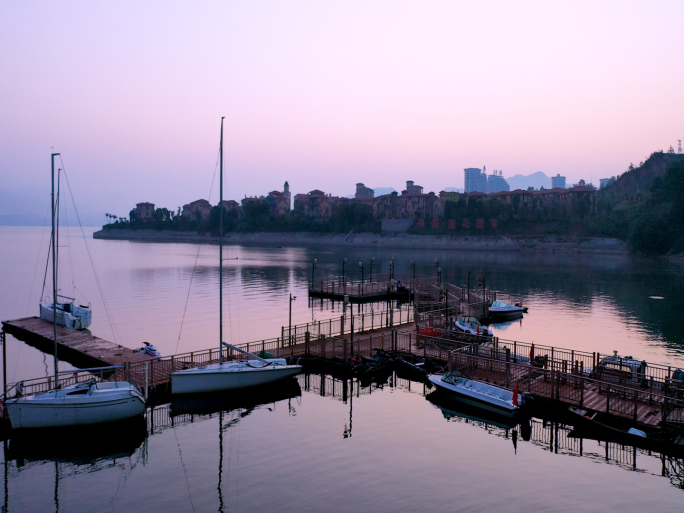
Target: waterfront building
[497,183]
[475,180]
[198,209]
[363,192]
[558,182]
[144,211]
[413,189]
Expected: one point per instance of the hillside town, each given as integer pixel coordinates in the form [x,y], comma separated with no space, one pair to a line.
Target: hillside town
[411,204]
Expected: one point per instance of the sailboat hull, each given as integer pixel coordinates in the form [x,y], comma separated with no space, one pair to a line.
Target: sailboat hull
[101,403]
[69,315]
[230,376]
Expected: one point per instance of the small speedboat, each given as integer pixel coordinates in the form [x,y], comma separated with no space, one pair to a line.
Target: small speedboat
[472,326]
[477,393]
[503,310]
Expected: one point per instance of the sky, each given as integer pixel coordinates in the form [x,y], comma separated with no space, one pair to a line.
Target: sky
[327,94]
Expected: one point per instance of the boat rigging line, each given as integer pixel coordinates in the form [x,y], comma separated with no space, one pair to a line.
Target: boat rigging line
[108,313]
[194,267]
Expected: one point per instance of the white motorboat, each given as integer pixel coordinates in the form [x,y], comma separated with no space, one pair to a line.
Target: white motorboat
[231,374]
[472,326]
[68,314]
[77,405]
[482,395]
[504,310]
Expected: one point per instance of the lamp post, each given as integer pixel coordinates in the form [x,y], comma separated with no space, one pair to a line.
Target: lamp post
[391,273]
[313,272]
[436,266]
[370,280]
[468,287]
[289,329]
[439,276]
[361,270]
[344,280]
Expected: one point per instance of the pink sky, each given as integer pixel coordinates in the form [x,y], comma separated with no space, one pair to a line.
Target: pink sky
[327,94]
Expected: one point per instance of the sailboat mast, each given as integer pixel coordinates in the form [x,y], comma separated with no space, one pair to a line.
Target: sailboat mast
[221,247]
[54,270]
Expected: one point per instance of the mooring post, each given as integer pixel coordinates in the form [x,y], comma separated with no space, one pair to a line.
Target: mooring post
[508,366]
[3,340]
[147,381]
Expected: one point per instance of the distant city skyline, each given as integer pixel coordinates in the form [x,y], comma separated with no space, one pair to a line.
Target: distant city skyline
[327,95]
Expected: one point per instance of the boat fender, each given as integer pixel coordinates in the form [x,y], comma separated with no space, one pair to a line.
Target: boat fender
[515,395]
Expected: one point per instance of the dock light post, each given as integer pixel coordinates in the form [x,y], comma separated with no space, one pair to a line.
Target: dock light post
[412,276]
[468,287]
[289,329]
[313,272]
[370,280]
[439,276]
[361,271]
[391,273]
[436,266]
[482,283]
[344,280]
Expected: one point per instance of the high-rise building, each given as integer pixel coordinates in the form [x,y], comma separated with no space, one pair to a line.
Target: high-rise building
[497,183]
[558,182]
[475,180]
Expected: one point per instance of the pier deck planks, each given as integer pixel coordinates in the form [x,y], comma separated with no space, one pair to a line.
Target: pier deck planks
[72,344]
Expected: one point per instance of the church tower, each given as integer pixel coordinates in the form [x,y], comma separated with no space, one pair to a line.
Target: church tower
[286,193]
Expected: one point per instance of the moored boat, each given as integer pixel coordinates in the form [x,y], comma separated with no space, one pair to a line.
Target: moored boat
[230,374]
[472,326]
[73,316]
[80,404]
[503,310]
[77,405]
[477,393]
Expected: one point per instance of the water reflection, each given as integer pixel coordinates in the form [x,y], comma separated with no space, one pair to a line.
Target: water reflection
[78,446]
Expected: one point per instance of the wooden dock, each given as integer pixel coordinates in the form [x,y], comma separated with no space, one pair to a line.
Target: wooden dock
[564,377]
[79,348]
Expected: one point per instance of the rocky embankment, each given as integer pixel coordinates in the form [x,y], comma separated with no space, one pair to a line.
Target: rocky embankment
[551,243]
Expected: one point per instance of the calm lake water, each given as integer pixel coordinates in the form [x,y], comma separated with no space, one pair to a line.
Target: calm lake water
[319,443]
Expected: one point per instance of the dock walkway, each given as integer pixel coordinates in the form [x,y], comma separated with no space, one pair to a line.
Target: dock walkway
[79,348]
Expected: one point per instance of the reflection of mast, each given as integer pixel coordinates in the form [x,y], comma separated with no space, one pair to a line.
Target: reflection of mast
[220,472]
[56,485]
[348,429]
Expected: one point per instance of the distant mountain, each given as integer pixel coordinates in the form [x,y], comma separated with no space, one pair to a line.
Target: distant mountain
[24,206]
[381,191]
[536,180]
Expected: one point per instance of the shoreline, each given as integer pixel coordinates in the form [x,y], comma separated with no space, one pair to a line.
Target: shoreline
[514,243]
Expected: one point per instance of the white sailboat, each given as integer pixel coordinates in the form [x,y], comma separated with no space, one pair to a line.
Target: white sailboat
[68,314]
[229,375]
[76,405]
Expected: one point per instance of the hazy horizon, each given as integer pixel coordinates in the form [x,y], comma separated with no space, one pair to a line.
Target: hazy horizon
[325,95]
